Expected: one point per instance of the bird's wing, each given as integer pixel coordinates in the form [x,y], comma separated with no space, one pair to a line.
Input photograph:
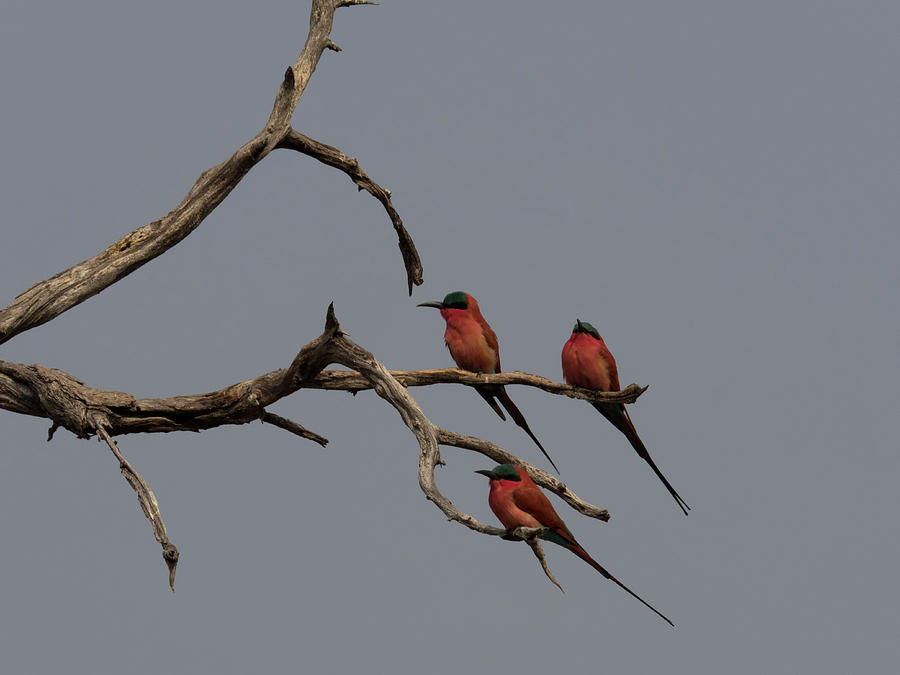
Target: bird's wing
[490,337]
[534,502]
[611,368]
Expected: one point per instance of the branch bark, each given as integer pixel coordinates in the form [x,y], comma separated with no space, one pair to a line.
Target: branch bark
[350,381]
[48,299]
[85,411]
[148,503]
[48,392]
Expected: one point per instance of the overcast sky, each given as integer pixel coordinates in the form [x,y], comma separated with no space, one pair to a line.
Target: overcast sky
[713,185]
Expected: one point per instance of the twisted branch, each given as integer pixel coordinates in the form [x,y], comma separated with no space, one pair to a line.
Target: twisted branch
[326,154]
[52,393]
[48,299]
[84,411]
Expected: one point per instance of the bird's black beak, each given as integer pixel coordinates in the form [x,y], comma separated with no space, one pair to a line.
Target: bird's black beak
[578,323]
[489,474]
[434,303]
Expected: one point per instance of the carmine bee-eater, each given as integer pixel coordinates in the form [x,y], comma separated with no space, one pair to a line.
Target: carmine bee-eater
[518,502]
[587,363]
[473,345]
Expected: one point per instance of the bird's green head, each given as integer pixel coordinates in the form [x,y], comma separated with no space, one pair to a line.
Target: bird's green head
[454,300]
[501,472]
[585,327]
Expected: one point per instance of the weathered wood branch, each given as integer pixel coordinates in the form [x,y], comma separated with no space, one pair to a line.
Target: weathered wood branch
[48,299]
[429,436]
[531,538]
[541,477]
[85,411]
[293,427]
[351,381]
[148,503]
[333,157]
[69,403]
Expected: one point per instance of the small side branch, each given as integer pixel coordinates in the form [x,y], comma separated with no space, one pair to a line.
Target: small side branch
[148,503]
[539,476]
[530,535]
[350,166]
[350,381]
[293,427]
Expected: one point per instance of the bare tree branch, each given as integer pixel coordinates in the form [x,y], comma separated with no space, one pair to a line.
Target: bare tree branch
[538,551]
[148,503]
[349,165]
[538,475]
[48,299]
[83,410]
[293,427]
[26,390]
[350,381]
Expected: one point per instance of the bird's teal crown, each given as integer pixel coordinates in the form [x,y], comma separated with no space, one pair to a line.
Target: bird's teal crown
[585,327]
[456,300]
[506,472]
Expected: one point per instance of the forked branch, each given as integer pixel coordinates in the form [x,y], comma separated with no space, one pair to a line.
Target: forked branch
[85,411]
[48,299]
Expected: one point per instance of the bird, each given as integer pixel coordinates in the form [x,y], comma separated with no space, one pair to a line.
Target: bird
[518,502]
[473,345]
[588,363]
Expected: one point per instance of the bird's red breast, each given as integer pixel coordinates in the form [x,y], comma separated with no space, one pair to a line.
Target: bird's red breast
[586,362]
[472,343]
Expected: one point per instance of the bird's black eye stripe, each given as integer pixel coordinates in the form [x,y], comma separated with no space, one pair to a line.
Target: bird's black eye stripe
[456,305]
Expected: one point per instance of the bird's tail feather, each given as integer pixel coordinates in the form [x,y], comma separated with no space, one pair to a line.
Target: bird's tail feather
[575,547]
[488,395]
[581,553]
[618,417]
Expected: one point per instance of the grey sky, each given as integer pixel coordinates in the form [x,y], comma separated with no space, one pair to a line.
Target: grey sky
[713,185]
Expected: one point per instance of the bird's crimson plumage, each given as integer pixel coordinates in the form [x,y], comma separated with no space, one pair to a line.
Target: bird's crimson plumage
[518,502]
[588,363]
[470,339]
[473,346]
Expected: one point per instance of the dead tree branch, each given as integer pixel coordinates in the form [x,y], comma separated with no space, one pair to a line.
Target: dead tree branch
[333,157]
[85,411]
[539,476]
[54,394]
[48,299]
[148,503]
[350,381]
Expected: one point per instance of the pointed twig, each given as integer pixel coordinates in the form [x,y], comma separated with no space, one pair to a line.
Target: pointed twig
[530,535]
[148,503]
[293,427]
[333,157]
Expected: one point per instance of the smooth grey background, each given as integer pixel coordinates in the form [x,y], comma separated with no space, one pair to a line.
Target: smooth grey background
[714,185]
